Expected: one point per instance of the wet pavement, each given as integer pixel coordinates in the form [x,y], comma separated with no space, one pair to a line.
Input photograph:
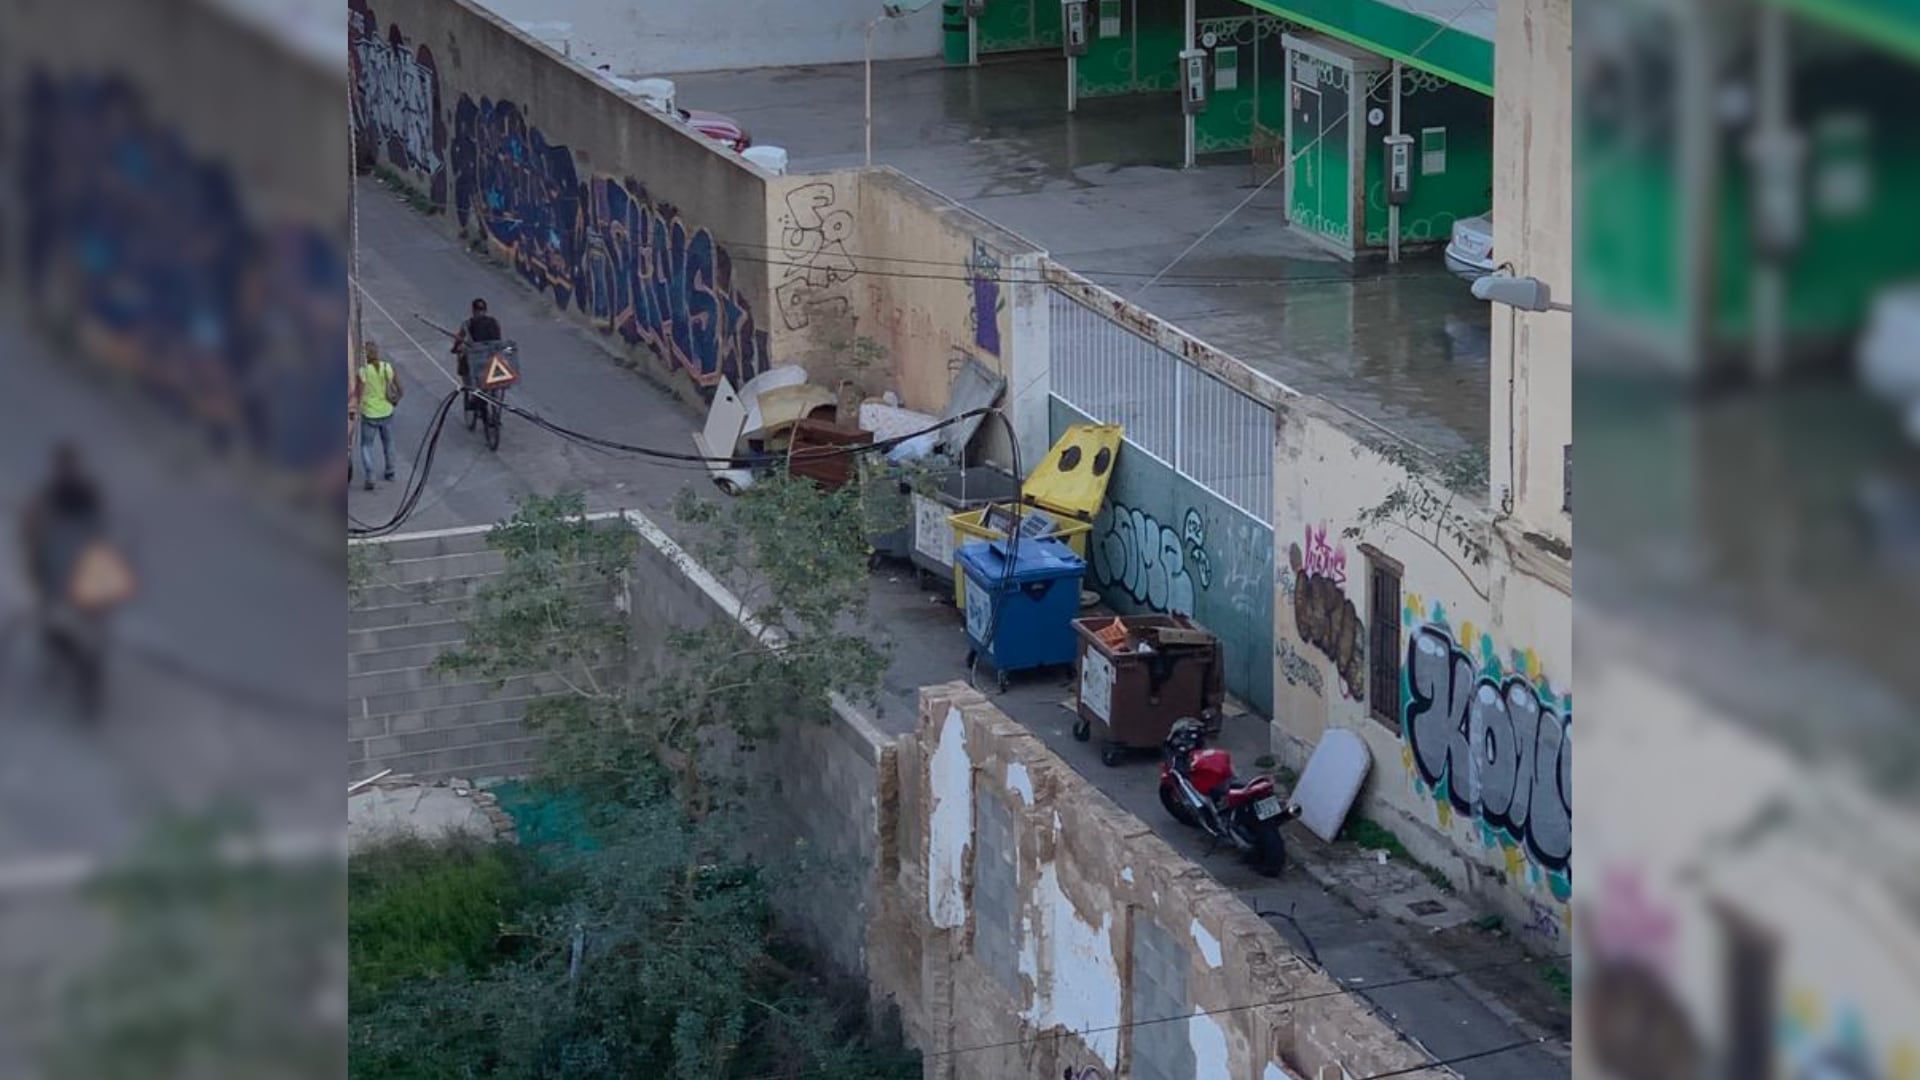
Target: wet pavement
[1103,193]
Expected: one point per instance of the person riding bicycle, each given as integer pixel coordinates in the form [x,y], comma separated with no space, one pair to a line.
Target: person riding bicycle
[479,328]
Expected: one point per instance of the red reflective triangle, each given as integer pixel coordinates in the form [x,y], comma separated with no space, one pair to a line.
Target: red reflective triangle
[498,374]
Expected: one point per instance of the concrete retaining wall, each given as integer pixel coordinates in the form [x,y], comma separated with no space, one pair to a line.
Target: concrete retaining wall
[626,221]
[168,145]
[1026,926]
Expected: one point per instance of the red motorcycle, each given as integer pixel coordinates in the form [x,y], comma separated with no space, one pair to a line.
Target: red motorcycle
[1198,787]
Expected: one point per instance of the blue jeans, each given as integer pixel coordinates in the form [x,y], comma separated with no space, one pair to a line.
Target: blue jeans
[368,428]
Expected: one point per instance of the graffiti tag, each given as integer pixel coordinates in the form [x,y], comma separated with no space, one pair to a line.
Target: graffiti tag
[396,98]
[1134,553]
[813,236]
[603,247]
[1497,751]
[1327,620]
[1542,920]
[1298,670]
[1323,559]
[983,277]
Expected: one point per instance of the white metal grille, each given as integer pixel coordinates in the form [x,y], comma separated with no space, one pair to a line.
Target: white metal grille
[1211,433]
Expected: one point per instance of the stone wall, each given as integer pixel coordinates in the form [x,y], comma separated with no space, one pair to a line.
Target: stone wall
[1025,926]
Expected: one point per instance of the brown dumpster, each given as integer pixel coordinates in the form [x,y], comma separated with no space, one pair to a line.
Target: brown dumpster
[1137,674]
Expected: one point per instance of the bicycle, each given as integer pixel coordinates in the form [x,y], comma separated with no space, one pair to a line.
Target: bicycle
[484,404]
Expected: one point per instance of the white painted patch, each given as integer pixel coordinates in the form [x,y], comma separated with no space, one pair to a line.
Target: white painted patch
[1018,780]
[1275,1072]
[1209,1042]
[1209,945]
[951,828]
[1079,983]
[1126,874]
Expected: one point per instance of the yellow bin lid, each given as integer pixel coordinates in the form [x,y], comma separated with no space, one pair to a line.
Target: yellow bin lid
[1072,479]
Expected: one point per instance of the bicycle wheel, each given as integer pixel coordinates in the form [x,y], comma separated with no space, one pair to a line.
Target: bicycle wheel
[473,409]
[493,425]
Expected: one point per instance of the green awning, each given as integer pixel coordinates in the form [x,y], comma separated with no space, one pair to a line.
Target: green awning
[1449,38]
[1891,24]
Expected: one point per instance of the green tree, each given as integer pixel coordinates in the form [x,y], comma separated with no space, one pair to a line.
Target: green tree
[795,556]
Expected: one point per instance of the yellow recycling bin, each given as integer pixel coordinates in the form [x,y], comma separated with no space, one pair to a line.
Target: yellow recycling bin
[1059,497]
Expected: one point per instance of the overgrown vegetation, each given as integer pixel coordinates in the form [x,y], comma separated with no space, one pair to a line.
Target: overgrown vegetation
[648,949]
[655,955]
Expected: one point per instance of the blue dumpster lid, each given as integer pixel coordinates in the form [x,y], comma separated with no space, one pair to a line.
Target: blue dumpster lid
[1035,560]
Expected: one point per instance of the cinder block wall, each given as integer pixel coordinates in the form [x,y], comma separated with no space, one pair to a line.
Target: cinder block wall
[637,226]
[1016,906]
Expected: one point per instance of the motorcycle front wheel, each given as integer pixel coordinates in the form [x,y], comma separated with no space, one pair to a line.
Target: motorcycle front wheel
[1177,806]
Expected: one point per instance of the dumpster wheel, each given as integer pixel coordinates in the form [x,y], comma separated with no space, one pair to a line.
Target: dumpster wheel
[1112,754]
[1082,729]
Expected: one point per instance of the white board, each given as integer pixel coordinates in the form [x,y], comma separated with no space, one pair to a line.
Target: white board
[1331,782]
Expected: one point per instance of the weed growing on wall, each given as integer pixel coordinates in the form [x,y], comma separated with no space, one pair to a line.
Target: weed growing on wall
[1426,501]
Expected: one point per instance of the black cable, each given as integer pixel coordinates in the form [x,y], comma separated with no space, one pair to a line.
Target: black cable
[430,441]
[1012,560]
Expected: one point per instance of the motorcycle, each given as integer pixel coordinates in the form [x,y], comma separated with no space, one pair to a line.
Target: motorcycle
[1198,787]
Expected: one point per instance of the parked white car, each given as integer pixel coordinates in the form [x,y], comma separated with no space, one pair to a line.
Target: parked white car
[1889,362]
[1470,251]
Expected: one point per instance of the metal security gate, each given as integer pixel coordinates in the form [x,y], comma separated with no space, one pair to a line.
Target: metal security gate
[1207,431]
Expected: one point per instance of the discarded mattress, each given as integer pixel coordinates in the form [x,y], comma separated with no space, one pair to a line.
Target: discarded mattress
[1332,781]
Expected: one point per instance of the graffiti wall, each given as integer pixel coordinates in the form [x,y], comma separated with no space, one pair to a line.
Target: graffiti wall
[884,282]
[630,223]
[147,251]
[1163,543]
[602,246]
[397,111]
[1396,620]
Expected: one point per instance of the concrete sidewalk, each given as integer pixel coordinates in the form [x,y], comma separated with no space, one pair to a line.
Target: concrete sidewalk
[409,265]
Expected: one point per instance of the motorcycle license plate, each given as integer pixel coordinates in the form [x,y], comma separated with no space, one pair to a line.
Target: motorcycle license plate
[1267,809]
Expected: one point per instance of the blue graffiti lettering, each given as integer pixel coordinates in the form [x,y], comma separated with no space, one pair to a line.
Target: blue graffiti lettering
[603,247]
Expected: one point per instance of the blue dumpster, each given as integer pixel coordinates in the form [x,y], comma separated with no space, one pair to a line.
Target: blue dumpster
[1037,603]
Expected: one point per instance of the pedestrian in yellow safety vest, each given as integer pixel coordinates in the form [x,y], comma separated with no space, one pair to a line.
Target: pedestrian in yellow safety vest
[376,390]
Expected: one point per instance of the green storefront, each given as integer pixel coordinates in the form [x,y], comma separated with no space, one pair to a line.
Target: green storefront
[1311,87]
[1850,76]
